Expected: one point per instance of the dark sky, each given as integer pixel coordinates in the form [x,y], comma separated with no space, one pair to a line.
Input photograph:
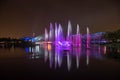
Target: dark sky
[19,18]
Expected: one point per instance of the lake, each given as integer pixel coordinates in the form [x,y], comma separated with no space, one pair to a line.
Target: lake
[51,62]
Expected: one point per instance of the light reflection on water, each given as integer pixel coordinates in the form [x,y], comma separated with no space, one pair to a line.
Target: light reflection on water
[57,56]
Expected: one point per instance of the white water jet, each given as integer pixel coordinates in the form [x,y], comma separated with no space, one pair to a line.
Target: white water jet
[46,35]
[78,29]
[69,32]
[51,33]
[56,33]
[88,38]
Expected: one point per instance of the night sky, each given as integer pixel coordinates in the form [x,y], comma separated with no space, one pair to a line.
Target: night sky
[20,18]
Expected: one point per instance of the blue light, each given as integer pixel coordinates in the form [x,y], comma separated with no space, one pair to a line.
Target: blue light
[27,50]
[33,40]
[26,39]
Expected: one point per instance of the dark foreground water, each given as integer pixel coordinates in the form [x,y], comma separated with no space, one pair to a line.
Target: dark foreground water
[46,62]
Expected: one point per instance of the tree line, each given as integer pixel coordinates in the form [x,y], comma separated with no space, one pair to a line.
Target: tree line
[9,42]
[112,37]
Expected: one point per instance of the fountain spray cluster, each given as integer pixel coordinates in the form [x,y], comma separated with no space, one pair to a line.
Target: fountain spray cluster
[56,36]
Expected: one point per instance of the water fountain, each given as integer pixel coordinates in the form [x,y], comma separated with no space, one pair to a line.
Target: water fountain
[77,38]
[70,40]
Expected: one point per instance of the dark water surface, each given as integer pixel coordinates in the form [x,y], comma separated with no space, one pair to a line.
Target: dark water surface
[47,62]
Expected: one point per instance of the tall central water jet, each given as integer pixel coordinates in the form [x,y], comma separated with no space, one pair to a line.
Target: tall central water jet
[69,33]
[60,36]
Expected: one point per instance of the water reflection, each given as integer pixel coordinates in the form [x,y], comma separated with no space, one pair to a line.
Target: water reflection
[78,54]
[88,55]
[35,52]
[104,49]
[58,57]
[113,53]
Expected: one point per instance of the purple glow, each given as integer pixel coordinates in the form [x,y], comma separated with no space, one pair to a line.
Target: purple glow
[59,56]
[70,39]
[64,44]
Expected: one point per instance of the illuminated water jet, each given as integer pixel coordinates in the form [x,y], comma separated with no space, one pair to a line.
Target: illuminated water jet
[88,38]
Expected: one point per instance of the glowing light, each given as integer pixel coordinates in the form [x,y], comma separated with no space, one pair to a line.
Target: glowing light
[104,50]
[26,49]
[49,47]
[47,42]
